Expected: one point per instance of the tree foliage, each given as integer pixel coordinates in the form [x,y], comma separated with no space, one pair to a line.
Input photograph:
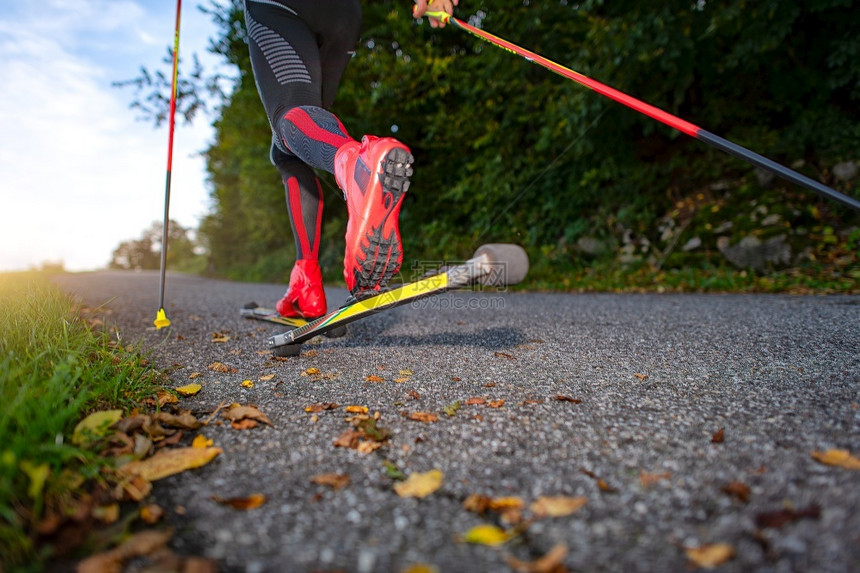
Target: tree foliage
[507,151]
[145,253]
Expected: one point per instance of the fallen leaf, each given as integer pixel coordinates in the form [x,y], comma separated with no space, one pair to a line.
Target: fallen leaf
[221,367]
[402,379]
[357,409]
[163,398]
[600,482]
[481,504]
[246,424]
[420,568]
[334,480]
[151,513]
[185,420]
[311,372]
[189,389]
[556,506]
[106,513]
[139,544]
[562,398]
[710,556]
[168,462]
[641,376]
[718,437]
[235,413]
[392,471]
[503,355]
[247,384]
[95,426]
[738,490]
[373,378]
[428,417]
[219,337]
[649,479]
[486,534]
[201,441]
[496,403]
[475,402]
[839,458]
[405,372]
[419,484]
[348,439]
[194,375]
[552,562]
[266,378]
[414,395]
[321,407]
[451,409]
[253,501]
[781,517]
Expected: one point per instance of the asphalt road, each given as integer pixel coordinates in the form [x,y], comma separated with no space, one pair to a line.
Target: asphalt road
[657,377]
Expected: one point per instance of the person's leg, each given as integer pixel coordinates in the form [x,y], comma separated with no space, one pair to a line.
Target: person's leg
[287,72]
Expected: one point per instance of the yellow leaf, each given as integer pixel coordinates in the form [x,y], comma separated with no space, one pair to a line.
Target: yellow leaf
[311,372]
[95,426]
[201,441]
[839,458]
[247,384]
[168,462]
[189,389]
[335,481]
[419,484]
[486,534]
[151,513]
[406,372]
[357,409]
[38,476]
[710,556]
[556,506]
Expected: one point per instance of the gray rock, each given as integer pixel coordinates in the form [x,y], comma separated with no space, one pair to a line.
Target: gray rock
[751,252]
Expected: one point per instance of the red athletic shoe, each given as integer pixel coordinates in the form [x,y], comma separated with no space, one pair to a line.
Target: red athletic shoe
[305,297]
[374,176]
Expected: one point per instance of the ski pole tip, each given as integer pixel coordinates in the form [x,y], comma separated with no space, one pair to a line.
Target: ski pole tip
[161,320]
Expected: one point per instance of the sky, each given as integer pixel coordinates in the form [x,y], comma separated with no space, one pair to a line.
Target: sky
[80,171]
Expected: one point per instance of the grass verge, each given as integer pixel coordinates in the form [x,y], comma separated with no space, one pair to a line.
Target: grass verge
[55,367]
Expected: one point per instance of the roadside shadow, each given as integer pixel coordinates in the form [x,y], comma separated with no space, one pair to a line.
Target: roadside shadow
[491,338]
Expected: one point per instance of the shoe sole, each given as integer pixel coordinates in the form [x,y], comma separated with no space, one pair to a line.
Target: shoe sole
[377,268]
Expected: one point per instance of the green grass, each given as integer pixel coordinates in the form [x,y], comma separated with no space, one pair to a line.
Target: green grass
[54,369]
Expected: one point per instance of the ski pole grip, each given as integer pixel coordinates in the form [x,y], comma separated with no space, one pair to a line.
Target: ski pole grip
[443,17]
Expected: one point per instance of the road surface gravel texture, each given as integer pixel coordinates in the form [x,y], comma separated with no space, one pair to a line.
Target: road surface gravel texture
[651,379]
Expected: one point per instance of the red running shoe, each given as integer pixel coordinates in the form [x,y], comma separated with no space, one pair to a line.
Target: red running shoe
[305,298]
[374,176]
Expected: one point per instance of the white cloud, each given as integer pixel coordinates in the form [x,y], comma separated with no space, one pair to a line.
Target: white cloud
[78,174]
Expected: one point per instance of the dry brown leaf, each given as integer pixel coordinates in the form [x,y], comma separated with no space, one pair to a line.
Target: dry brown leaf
[641,376]
[334,480]
[419,484]
[496,403]
[552,562]
[194,375]
[221,367]
[266,378]
[781,517]
[314,408]
[402,379]
[185,420]
[838,458]
[253,501]
[475,402]
[719,436]
[106,513]
[168,462]
[219,337]
[354,409]
[556,506]
[563,398]
[139,544]
[738,490]
[235,413]
[649,479]
[374,378]
[600,482]
[710,556]
[481,504]
[504,355]
[420,568]
[413,394]
[428,417]
[367,446]
[246,424]
[348,439]
[189,389]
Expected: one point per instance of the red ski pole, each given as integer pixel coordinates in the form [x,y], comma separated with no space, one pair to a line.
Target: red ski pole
[656,113]
[161,319]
